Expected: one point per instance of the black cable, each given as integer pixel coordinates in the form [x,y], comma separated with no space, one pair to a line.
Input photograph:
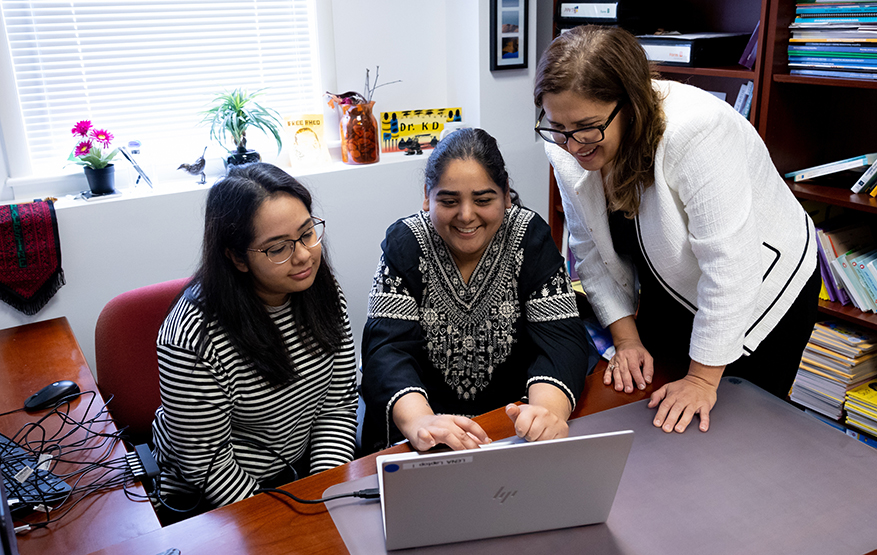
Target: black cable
[371,493]
[12,411]
[35,441]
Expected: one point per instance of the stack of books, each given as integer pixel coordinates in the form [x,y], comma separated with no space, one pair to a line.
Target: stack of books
[848,264]
[838,358]
[861,405]
[834,40]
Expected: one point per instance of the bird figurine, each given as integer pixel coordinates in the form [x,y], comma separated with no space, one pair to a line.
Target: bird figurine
[197,167]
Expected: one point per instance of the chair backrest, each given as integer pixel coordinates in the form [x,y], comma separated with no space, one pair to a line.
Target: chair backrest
[125,358]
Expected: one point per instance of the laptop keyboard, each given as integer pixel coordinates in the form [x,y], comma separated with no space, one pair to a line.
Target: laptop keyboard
[40,488]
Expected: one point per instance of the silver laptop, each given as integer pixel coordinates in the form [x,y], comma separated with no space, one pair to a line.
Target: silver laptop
[501,489]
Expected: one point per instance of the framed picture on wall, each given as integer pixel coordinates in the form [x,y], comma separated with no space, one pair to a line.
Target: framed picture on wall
[508,34]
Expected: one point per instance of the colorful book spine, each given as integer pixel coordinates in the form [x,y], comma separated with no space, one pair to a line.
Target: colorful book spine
[827,48]
[869,286]
[831,60]
[833,167]
[824,271]
[833,74]
[865,18]
[867,181]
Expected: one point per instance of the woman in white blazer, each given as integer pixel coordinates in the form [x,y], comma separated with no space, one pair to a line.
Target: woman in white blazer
[676,215]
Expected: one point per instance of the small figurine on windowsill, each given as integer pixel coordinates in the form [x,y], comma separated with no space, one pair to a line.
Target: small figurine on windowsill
[197,167]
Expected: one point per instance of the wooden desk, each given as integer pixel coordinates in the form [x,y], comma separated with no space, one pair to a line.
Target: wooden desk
[31,357]
[272,525]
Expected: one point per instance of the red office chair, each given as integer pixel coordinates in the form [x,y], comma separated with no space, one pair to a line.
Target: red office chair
[125,357]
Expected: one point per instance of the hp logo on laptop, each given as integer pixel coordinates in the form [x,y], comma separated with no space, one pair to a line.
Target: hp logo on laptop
[502,496]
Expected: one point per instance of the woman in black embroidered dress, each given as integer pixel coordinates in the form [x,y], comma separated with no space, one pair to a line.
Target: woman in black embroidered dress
[471,310]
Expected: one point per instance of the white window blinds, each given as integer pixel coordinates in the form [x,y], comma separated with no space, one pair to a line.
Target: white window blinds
[147,69]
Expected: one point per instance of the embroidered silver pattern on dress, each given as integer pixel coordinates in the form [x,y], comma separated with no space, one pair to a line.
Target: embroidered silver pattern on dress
[388,299]
[556,300]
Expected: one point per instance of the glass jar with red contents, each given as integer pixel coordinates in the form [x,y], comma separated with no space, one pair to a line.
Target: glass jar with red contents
[359,134]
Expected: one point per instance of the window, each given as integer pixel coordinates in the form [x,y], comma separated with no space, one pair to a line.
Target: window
[146,69]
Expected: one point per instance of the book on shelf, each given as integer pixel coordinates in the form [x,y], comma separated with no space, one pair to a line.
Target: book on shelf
[851,284]
[866,183]
[863,61]
[832,49]
[833,167]
[694,49]
[848,9]
[833,74]
[744,97]
[828,281]
[747,59]
[823,290]
[858,262]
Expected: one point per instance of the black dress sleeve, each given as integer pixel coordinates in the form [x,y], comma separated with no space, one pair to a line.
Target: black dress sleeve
[565,353]
[393,354]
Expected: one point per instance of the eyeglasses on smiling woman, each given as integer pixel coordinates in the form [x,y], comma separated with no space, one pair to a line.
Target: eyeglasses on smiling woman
[583,136]
[280,252]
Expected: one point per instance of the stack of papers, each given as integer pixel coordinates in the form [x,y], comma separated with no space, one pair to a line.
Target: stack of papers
[838,358]
[861,405]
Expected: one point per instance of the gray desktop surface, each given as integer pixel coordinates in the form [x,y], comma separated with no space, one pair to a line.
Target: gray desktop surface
[766,478]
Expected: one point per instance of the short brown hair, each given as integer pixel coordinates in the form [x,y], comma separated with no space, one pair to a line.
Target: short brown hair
[607,64]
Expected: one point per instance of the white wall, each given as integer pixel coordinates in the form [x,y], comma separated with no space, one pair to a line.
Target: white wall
[440,51]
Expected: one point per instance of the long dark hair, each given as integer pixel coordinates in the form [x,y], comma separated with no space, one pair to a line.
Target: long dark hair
[469,144]
[227,295]
[608,64]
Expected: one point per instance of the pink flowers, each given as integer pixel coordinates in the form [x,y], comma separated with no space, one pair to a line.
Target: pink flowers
[81,128]
[83,148]
[84,129]
[102,136]
[87,151]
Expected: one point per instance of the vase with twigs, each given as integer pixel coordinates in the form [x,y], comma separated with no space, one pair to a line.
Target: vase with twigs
[359,127]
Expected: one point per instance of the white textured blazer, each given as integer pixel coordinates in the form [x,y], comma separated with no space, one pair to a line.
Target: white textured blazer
[719,228]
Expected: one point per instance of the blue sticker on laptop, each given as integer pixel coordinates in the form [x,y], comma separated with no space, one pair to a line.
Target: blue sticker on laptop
[391,468]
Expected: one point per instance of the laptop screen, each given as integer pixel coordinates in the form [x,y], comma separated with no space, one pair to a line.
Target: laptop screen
[8,543]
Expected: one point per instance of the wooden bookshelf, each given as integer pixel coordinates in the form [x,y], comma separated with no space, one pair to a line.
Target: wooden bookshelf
[807,121]
[834,195]
[849,313]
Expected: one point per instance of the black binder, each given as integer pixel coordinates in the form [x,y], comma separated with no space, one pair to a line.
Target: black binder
[636,16]
[695,49]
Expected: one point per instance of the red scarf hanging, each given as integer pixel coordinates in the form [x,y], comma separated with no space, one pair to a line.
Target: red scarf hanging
[30,255]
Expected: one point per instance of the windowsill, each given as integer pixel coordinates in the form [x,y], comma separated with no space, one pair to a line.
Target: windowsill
[68,187]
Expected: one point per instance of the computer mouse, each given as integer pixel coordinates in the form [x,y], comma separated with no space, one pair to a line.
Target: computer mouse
[51,395]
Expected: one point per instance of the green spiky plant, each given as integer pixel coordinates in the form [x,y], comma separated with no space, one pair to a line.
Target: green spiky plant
[234,112]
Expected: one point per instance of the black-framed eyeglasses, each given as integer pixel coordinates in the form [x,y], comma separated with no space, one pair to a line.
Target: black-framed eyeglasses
[584,136]
[280,252]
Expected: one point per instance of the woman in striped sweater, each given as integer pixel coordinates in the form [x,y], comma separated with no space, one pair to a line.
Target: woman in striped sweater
[256,359]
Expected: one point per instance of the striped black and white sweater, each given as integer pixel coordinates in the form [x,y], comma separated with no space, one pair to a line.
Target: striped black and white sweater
[207,402]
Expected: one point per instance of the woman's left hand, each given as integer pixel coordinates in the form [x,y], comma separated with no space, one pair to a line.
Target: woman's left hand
[545,417]
[680,400]
[535,423]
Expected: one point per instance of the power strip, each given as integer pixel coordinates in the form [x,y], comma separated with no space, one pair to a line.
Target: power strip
[143,465]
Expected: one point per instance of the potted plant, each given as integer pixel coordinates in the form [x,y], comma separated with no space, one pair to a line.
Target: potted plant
[232,114]
[95,160]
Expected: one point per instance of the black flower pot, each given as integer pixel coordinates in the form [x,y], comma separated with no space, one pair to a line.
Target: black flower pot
[242,156]
[102,181]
